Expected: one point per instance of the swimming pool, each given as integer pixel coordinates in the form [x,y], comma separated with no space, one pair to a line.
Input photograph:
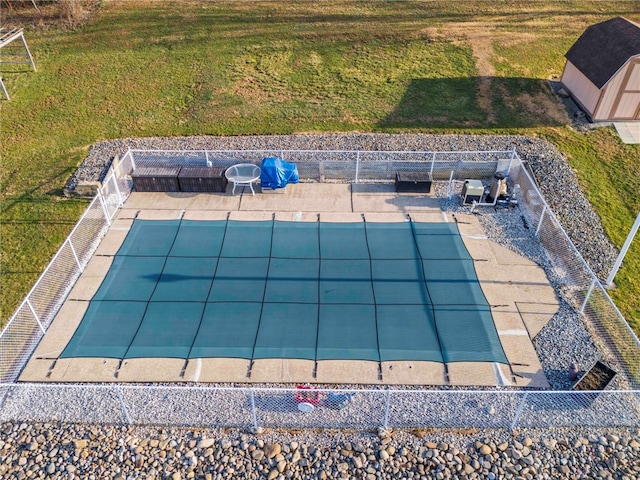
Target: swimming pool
[300,290]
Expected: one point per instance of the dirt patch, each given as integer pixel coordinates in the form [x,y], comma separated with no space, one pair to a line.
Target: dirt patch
[481,45]
[483,50]
[480,38]
[250,89]
[544,106]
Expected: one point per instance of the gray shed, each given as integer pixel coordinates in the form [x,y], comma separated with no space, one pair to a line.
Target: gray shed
[602,72]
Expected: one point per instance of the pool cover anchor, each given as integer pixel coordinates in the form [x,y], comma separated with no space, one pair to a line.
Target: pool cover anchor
[446,374]
[115,374]
[184,368]
[51,367]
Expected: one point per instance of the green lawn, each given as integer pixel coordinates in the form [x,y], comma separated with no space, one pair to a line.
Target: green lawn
[184,68]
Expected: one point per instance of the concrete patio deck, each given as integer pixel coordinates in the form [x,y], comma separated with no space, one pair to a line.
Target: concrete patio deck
[521,297]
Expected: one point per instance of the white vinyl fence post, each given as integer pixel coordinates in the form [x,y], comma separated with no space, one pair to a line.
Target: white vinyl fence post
[450,186]
[206,157]
[519,411]
[253,410]
[385,424]
[433,162]
[124,407]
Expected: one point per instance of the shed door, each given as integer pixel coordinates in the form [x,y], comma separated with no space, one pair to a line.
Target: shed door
[627,104]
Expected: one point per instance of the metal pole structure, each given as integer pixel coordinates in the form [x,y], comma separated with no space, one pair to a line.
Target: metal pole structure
[511,159]
[623,252]
[133,161]
[103,203]
[35,315]
[117,189]
[386,409]
[253,410]
[73,250]
[544,209]
[125,411]
[588,295]
[24,42]
[516,417]
[4,90]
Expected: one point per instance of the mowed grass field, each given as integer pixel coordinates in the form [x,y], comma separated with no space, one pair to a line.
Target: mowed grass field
[153,68]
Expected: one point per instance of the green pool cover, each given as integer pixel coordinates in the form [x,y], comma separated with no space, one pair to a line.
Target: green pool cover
[303,290]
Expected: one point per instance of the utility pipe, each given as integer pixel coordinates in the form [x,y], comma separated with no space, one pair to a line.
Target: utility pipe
[623,252]
[492,204]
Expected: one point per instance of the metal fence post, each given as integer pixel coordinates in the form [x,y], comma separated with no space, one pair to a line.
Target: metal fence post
[35,315]
[357,165]
[544,210]
[513,156]
[519,411]
[385,424]
[433,162]
[254,414]
[588,295]
[3,400]
[206,156]
[133,162]
[623,250]
[117,189]
[124,407]
[73,251]
[103,203]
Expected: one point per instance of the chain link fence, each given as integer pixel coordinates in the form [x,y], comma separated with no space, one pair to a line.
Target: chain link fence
[36,312]
[359,409]
[579,286]
[341,165]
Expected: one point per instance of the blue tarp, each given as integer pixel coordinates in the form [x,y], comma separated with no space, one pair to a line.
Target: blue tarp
[277,173]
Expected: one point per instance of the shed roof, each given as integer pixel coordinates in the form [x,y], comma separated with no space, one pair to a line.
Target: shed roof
[605,47]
